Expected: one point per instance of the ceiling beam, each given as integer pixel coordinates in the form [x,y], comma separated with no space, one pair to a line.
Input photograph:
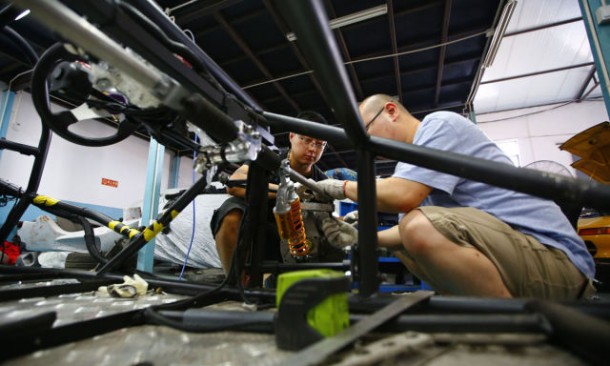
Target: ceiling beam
[586,64]
[246,49]
[392,29]
[541,27]
[442,51]
[416,9]
[581,93]
[196,9]
[346,56]
[423,45]
[279,21]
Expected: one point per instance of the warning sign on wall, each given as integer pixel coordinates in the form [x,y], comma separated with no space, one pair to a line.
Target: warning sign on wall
[110,182]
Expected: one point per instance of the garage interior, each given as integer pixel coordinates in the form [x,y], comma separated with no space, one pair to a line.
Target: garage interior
[526,72]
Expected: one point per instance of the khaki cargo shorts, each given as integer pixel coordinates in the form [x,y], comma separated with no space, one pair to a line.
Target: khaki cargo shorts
[528,268]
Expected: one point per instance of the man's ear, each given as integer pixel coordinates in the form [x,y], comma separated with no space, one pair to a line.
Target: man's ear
[290,136]
[392,110]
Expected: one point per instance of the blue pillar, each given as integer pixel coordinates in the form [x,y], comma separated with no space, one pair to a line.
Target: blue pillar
[150,207]
[175,173]
[472,116]
[599,38]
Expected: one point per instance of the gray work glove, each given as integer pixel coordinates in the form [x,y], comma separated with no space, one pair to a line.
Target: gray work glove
[351,217]
[339,233]
[304,192]
[331,187]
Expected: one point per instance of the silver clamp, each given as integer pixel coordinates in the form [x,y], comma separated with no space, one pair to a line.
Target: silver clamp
[245,147]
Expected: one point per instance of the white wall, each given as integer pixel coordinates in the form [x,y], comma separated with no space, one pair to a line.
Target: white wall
[540,130]
[74,172]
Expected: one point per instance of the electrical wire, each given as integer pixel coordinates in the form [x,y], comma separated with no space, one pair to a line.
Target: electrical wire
[188,252]
[153,316]
[373,58]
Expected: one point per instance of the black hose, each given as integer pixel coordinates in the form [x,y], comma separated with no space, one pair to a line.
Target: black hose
[27,49]
[584,335]
[92,248]
[172,45]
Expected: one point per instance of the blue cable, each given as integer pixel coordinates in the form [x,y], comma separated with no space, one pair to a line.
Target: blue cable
[188,252]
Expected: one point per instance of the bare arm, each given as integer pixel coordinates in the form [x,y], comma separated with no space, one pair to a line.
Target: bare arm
[390,238]
[242,174]
[394,194]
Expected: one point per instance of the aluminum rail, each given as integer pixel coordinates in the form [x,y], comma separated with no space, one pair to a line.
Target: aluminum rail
[181,89]
[70,25]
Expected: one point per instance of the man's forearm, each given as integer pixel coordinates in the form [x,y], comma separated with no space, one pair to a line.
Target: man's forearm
[241,192]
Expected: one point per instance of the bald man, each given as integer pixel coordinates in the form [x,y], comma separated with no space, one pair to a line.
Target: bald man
[461,236]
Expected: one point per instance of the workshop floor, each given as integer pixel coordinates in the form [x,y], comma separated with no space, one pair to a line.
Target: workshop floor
[156,345]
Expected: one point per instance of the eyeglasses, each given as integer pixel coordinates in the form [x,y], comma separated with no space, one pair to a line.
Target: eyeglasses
[311,142]
[366,126]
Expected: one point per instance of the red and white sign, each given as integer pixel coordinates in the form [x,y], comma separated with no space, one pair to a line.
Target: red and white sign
[110,182]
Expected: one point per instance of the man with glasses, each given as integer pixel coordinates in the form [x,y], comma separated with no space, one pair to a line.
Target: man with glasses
[465,237]
[303,155]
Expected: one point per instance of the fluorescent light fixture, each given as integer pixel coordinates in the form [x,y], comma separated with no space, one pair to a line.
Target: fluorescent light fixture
[22,14]
[507,13]
[350,19]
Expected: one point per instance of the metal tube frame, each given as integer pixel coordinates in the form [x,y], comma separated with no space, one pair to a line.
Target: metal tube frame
[310,24]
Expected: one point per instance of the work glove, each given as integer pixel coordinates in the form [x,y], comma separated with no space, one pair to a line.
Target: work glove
[333,188]
[131,287]
[351,217]
[304,192]
[339,233]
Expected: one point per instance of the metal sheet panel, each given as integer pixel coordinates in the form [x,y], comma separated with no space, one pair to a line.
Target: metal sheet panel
[536,90]
[537,65]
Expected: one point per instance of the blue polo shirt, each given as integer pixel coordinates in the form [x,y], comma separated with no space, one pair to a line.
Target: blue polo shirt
[531,215]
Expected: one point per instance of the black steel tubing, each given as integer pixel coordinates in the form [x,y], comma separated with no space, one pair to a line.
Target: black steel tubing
[537,183]
[255,223]
[435,305]
[53,290]
[64,209]
[446,323]
[20,148]
[310,23]
[116,22]
[524,180]
[151,231]
[367,224]
[171,29]
[39,153]
[582,334]
[205,115]
[73,332]
[277,267]
[34,182]
[334,135]
[172,286]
